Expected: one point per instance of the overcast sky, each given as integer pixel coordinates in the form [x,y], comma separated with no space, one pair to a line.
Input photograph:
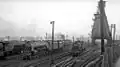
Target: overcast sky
[72,17]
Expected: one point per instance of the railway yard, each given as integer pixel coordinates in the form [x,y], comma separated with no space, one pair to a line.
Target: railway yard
[27,46]
[77,54]
[80,57]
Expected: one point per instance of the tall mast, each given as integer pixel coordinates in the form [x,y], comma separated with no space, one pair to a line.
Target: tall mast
[101,6]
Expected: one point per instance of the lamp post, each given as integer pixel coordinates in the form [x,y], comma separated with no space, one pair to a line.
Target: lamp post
[114,30]
[73,40]
[114,26]
[46,36]
[52,22]
[89,37]
[116,37]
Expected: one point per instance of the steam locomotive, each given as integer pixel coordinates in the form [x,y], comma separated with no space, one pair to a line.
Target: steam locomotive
[77,48]
[8,48]
[30,48]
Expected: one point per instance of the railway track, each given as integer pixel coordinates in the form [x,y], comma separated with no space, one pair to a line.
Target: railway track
[96,63]
[26,56]
[39,61]
[71,60]
[61,56]
[57,58]
[84,58]
[89,59]
[63,63]
[46,60]
[67,60]
[9,63]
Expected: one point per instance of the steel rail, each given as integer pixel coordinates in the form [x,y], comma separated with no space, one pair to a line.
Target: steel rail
[72,61]
[47,60]
[90,59]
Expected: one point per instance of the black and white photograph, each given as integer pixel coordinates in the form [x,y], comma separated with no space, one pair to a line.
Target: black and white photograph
[59,33]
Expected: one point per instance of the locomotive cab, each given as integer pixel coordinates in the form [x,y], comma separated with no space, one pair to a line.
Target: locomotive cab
[3,50]
[77,48]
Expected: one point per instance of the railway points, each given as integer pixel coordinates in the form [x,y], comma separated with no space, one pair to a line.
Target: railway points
[73,60]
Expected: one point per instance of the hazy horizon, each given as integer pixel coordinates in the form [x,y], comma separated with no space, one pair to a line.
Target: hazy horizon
[32,18]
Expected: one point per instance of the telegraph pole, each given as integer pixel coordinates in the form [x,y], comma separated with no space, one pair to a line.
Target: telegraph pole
[52,61]
[114,30]
[116,37]
[114,26]
[111,30]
